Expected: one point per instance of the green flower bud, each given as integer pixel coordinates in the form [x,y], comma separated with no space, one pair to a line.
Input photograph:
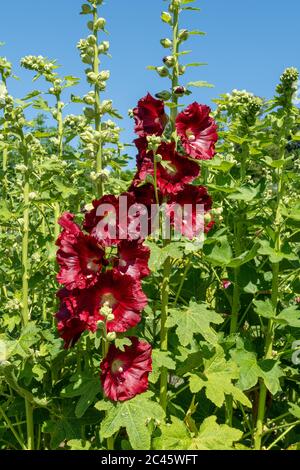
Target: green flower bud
[92,40]
[183,35]
[100,23]
[85,9]
[111,336]
[158,158]
[166,17]
[162,71]
[179,90]
[110,317]
[104,75]
[169,61]
[181,69]
[164,95]
[166,43]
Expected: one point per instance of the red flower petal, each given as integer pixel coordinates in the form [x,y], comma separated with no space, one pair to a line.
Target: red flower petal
[191,197]
[172,173]
[150,117]
[197,131]
[79,256]
[124,374]
[133,259]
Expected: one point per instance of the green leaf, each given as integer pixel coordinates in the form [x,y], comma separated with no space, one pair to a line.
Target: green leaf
[244,257]
[220,253]
[174,250]
[217,379]
[294,410]
[77,444]
[160,359]
[249,371]
[21,346]
[85,386]
[192,320]
[134,416]
[200,84]
[245,193]
[275,256]
[271,373]
[212,436]
[264,308]
[289,316]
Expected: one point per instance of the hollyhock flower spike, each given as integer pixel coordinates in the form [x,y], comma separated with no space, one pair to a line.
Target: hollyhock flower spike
[79,256]
[124,374]
[197,131]
[150,117]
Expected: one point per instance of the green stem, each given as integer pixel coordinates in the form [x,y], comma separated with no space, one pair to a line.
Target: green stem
[97,107]
[30,425]
[11,427]
[165,290]
[279,438]
[270,328]
[25,242]
[164,330]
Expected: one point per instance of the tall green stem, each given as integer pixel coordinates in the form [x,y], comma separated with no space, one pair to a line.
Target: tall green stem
[60,134]
[97,106]
[165,290]
[269,339]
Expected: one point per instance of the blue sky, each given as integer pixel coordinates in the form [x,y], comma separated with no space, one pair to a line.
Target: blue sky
[247,46]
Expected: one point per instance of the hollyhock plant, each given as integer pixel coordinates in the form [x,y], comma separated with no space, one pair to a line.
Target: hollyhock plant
[79,256]
[197,131]
[150,117]
[195,198]
[133,259]
[172,173]
[124,374]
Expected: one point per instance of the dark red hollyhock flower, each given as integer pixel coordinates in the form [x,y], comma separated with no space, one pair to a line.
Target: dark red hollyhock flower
[173,172]
[150,117]
[122,293]
[124,374]
[133,259]
[197,131]
[108,221]
[70,323]
[79,256]
[144,196]
[183,211]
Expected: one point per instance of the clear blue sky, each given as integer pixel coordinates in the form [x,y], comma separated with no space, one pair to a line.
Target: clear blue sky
[248,44]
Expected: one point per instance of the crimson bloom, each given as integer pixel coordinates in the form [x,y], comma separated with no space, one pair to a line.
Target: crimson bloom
[124,374]
[197,131]
[133,259]
[186,208]
[71,322]
[173,172]
[150,117]
[109,220]
[79,256]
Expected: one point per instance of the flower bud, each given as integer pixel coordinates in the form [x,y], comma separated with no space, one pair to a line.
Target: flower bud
[162,71]
[166,43]
[183,35]
[166,17]
[164,95]
[181,69]
[158,158]
[104,75]
[111,336]
[179,90]
[110,317]
[169,61]
[100,23]
[92,40]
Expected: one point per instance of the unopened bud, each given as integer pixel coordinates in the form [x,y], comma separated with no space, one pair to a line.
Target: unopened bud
[166,43]
[100,23]
[169,61]
[110,317]
[162,71]
[179,90]
[183,35]
[111,336]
